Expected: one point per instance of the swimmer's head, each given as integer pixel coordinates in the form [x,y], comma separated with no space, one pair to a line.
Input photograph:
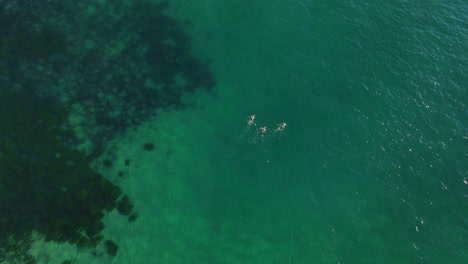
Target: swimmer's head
[281,127]
[251,119]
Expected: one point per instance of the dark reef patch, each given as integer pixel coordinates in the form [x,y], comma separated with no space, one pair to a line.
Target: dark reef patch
[113,68]
[68,76]
[46,185]
[107,163]
[124,206]
[111,248]
[134,61]
[148,146]
[132,217]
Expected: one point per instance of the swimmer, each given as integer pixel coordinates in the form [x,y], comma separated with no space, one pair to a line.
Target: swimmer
[251,120]
[263,130]
[281,127]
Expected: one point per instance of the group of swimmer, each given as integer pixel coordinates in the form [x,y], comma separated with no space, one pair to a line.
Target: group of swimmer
[262,130]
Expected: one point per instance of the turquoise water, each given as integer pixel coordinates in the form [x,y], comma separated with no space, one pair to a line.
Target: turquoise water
[371,168]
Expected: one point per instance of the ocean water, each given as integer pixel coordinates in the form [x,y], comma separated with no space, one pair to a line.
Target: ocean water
[372,166]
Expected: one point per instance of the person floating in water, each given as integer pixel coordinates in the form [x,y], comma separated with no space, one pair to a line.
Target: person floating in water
[251,120]
[263,130]
[281,127]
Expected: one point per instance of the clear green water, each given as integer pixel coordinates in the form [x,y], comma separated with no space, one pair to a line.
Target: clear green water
[371,168]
